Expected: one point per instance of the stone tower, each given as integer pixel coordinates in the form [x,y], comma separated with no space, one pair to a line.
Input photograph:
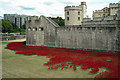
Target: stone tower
[84,10]
[114,7]
[75,14]
[118,12]
[34,31]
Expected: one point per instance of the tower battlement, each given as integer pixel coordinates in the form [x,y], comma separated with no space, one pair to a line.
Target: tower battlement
[83,3]
[32,18]
[71,6]
[114,4]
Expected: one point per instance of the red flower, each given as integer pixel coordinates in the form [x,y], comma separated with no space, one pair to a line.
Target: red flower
[70,58]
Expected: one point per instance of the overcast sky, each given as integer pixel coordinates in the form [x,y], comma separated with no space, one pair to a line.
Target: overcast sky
[48,8]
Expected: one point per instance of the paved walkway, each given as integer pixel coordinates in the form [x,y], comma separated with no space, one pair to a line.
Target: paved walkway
[18,40]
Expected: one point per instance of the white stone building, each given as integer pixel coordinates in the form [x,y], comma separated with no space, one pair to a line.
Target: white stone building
[105,12]
[101,13]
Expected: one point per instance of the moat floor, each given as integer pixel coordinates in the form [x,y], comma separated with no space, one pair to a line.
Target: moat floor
[32,66]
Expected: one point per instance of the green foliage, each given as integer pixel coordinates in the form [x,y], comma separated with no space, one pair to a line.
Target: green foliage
[15,28]
[24,26]
[23,31]
[60,21]
[12,27]
[6,26]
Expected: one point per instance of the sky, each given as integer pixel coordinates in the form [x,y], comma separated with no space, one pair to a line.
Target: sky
[49,8]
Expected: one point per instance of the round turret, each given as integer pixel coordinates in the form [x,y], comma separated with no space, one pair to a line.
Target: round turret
[75,14]
[84,10]
[83,3]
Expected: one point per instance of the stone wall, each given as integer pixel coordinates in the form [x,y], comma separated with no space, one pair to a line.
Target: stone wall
[114,8]
[107,23]
[100,35]
[6,38]
[118,42]
[99,38]
[49,30]
[32,32]
[44,33]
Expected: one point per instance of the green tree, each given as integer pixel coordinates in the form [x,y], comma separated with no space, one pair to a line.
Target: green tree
[24,26]
[60,21]
[12,27]
[22,31]
[6,26]
[15,28]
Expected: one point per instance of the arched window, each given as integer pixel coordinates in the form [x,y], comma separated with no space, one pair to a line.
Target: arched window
[67,13]
[29,29]
[78,13]
[78,18]
[41,29]
[67,18]
[34,29]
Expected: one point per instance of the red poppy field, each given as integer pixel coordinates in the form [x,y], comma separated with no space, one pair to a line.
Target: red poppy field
[71,58]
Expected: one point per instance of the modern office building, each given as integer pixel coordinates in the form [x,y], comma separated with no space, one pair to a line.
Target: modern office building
[19,20]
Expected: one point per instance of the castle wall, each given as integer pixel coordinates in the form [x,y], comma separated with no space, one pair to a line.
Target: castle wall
[118,42]
[49,31]
[87,38]
[101,33]
[34,35]
[40,32]
[114,7]
[93,34]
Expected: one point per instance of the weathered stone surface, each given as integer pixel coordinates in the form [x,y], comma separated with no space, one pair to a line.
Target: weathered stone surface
[101,35]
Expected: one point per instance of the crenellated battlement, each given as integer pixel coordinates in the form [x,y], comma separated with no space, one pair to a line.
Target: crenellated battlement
[32,18]
[107,11]
[102,10]
[114,5]
[83,3]
[73,7]
[108,18]
[76,7]
[98,11]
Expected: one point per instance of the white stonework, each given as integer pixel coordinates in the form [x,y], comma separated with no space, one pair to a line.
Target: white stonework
[105,12]
[84,10]
[101,13]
